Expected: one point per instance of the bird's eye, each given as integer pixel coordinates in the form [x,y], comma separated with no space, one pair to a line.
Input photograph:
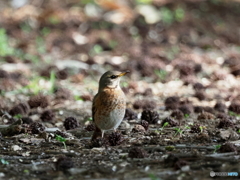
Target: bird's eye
[113,77]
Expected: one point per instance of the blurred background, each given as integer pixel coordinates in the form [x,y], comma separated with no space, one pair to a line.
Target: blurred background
[157,40]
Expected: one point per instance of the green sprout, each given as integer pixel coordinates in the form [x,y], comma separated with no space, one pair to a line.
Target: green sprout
[180,131]
[153,177]
[45,31]
[34,58]
[3,161]
[186,115]
[77,98]
[162,74]
[52,81]
[89,119]
[201,128]
[161,129]
[5,49]
[41,47]
[96,49]
[238,131]
[170,148]
[172,52]
[144,1]
[33,86]
[164,125]
[216,147]
[18,116]
[53,20]
[112,44]
[179,14]
[26,171]
[61,139]
[167,15]
[87,1]
[231,113]
[25,27]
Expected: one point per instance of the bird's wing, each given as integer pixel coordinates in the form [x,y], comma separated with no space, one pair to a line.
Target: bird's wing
[94,106]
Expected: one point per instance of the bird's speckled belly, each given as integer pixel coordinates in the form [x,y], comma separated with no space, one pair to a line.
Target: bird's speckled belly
[112,110]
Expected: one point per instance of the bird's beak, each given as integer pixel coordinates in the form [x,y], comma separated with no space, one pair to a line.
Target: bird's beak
[123,73]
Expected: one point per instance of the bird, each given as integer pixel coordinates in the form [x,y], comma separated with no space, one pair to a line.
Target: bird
[109,104]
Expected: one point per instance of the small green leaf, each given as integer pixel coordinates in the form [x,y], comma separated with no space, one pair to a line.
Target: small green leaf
[3,161]
[26,171]
[52,81]
[231,113]
[144,1]
[179,14]
[165,124]
[216,147]
[89,119]
[18,116]
[60,138]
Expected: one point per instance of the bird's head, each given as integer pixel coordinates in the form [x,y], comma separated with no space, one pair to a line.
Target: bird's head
[111,79]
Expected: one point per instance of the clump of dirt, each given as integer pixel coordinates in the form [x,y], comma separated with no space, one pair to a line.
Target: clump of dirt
[179,164]
[234,107]
[115,138]
[136,152]
[3,74]
[46,72]
[86,97]
[200,95]
[62,74]
[222,116]
[199,109]
[171,160]
[177,114]
[27,120]
[171,122]
[198,87]
[148,92]
[186,109]
[39,101]
[64,163]
[152,117]
[221,107]
[188,68]
[172,102]
[36,128]
[144,104]
[47,115]
[99,142]
[70,123]
[203,137]
[225,123]
[138,129]
[228,147]
[63,94]
[205,115]
[89,127]
[130,114]
[195,128]
[60,133]
[21,108]
[145,124]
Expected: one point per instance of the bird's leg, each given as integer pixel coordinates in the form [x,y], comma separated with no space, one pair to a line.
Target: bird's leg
[102,133]
[97,133]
